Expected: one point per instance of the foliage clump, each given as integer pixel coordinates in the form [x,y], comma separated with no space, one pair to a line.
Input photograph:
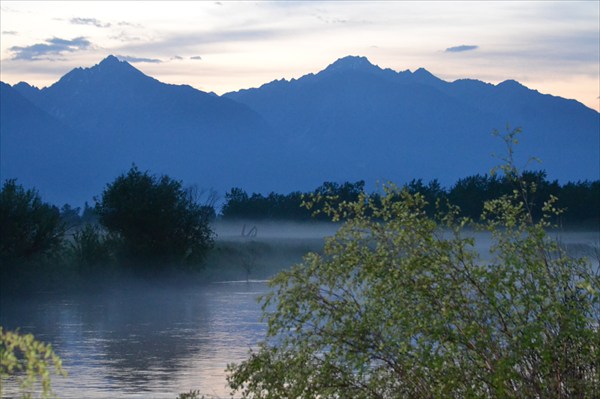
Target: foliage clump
[154,219]
[28,360]
[29,227]
[403,305]
[91,249]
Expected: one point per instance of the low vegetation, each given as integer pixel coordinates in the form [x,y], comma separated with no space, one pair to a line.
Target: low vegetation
[28,361]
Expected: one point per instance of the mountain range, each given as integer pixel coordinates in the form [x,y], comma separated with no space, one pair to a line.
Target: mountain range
[351,121]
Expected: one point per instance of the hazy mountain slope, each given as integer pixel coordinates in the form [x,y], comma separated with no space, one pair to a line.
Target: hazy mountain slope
[38,150]
[351,121]
[416,125]
[115,95]
[118,116]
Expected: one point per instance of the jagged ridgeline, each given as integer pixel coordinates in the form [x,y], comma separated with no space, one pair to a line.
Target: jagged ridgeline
[352,121]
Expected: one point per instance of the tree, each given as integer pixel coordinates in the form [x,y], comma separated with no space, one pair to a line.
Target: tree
[235,206]
[91,248]
[432,193]
[404,306]
[29,227]
[155,219]
[70,216]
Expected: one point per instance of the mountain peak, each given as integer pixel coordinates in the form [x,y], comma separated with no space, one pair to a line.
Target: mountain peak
[423,72]
[25,85]
[27,91]
[110,60]
[422,75]
[113,63]
[352,63]
[110,68]
[511,84]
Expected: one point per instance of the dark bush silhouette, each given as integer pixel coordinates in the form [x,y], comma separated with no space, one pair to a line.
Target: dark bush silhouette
[154,220]
[90,248]
[29,227]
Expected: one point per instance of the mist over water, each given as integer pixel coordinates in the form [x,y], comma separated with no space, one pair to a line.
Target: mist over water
[157,339]
[142,340]
[267,230]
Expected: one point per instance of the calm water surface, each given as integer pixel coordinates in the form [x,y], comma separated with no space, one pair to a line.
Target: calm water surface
[153,341]
[144,341]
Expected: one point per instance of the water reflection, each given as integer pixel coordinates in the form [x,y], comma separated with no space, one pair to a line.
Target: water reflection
[142,340]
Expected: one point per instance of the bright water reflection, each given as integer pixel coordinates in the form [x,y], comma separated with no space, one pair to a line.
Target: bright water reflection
[144,341]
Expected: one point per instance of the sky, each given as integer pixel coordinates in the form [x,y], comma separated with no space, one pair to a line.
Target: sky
[222,46]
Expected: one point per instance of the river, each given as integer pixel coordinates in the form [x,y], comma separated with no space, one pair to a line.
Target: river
[144,341]
[154,340]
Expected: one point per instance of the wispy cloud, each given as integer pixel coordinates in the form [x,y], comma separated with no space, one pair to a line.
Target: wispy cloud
[177,57]
[125,23]
[9,32]
[330,20]
[89,21]
[49,50]
[202,41]
[125,37]
[132,59]
[461,48]
[195,57]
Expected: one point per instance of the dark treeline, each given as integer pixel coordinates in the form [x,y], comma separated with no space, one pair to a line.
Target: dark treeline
[239,205]
[141,224]
[150,224]
[579,200]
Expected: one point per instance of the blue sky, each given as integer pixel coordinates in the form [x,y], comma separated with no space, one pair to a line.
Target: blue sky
[550,46]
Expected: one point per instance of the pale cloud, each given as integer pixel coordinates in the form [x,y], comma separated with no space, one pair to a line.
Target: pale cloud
[131,59]
[125,37]
[51,49]
[89,21]
[195,57]
[125,23]
[204,41]
[461,48]
[9,32]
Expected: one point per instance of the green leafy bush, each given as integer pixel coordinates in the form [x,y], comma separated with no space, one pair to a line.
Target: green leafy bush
[27,360]
[401,305]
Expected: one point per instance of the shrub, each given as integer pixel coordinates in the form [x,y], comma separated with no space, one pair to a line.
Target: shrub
[91,248]
[26,359]
[155,219]
[404,306]
[29,227]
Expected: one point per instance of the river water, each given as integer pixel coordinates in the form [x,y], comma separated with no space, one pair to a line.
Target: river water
[154,340]
[144,341]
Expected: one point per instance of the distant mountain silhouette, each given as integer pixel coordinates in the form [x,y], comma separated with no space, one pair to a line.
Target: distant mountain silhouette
[351,121]
[38,149]
[117,116]
[382,124]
